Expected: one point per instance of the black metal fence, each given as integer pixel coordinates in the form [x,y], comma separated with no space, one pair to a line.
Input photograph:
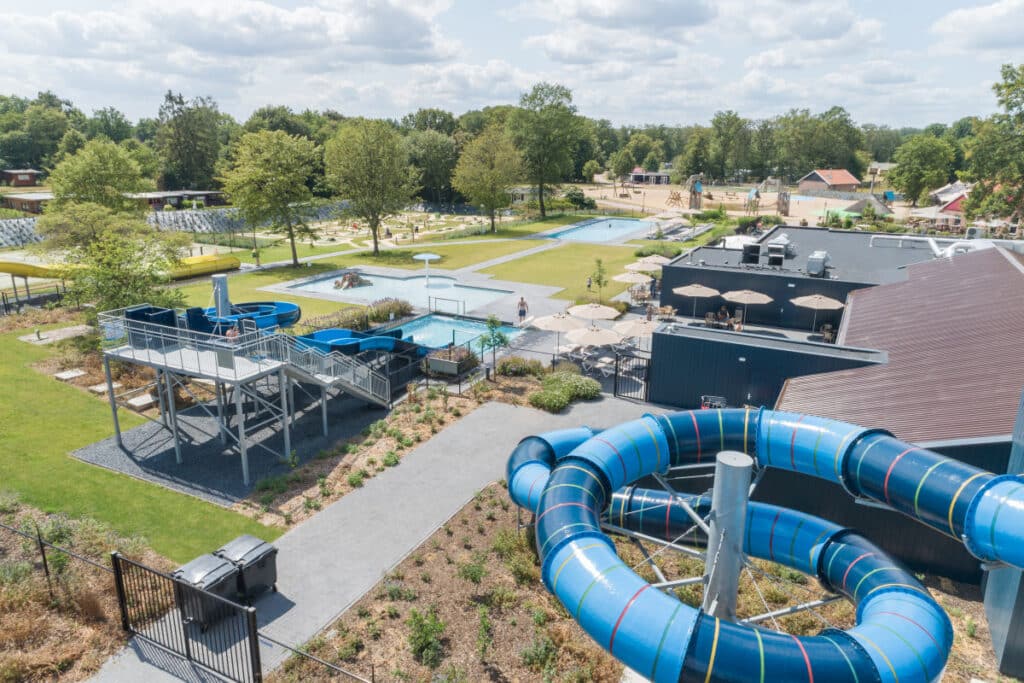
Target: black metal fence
[631,376]
[215,633]
[163,610]
[12,302]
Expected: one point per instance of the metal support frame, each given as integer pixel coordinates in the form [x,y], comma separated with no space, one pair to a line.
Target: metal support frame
[786,611]
[173,411]
[241,437]
[725,537]
[323,408]
[287,406]
[690,512]
[113,401]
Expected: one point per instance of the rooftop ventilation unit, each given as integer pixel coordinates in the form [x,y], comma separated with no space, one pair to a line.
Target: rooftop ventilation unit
[818,263]
[751,253]
[782,244]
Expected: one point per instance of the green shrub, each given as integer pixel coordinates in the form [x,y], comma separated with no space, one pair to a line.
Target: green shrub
[549,400]
[508,542]
[540,653]
[567,366]
[576,387]
[659,249]
[523,569]
[712,215]
[399,592]
[473,571]
[8,502]
[355,480]
[517,366]
[425,633]
[13,572]
[349,648]
[483,634]
[501,598]
[387,309]
[391,459]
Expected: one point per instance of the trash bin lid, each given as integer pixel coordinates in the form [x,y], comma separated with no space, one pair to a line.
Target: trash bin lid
[205,570]
[245,550]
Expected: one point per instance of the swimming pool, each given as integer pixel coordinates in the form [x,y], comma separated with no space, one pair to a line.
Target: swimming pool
[440,330]
[413,289]
[603,229]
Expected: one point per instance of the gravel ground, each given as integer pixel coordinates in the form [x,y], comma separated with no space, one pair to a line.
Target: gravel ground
[212,471]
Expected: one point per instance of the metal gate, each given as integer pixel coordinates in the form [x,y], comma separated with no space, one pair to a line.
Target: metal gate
[214,633]
[631,376]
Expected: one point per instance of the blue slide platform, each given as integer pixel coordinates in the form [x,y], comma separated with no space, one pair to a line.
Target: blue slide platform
[575,479]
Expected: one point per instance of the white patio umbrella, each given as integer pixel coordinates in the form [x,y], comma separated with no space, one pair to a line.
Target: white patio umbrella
[633,278]
[656,259]
[747,297]
[696,291]
[594,336]
[643,267]
[636,328]
[593,312]
[427,257]
[558,323]
[817,302]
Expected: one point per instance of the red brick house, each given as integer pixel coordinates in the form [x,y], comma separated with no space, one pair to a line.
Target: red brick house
[833,179]
[21,177]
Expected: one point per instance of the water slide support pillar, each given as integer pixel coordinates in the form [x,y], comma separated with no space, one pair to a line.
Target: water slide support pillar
[323,408]
[218,389]
[282,380]
[172,410]
[221,300]
[113,400]
[725,540]
[241,436]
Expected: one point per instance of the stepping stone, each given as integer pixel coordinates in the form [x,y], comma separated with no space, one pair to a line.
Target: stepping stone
[142,402]
[102,388]
[69,375]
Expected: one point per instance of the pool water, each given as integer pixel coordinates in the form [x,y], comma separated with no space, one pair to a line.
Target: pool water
[603,230]
[413,289]
[440,330]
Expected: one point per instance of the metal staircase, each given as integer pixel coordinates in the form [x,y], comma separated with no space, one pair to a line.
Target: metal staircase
[252,353]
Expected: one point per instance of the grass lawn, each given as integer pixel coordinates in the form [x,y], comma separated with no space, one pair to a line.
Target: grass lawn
[568,267]
[283,251]
[43,420]
[513,229]
[246,286]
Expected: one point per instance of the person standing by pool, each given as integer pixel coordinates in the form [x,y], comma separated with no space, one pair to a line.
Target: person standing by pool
[524,308]
[590,281]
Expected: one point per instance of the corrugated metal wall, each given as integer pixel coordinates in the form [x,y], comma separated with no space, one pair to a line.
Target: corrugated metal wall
[779,313]
[684,368]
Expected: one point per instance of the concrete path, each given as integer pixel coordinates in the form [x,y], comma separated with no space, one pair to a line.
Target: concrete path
[551,244]
[330,561]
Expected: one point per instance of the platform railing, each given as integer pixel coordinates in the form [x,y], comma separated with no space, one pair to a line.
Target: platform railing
[184,349]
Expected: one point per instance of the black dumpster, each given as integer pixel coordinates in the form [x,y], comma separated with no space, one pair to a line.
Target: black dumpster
[256,562]
[208,574]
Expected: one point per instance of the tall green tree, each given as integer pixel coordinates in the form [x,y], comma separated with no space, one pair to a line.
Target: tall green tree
[71,142]
[622,164]
[79,225]
[188,141]
[488,168]
[923,163]
[101,173]
[591,169]
[368,164]
[430,119]
[697,155]
[268,182]
[544,128]
[730,144]
[995,154]
[109,123]
[277,117]
[434,155]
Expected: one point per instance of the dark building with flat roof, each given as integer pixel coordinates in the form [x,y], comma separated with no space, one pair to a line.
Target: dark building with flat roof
[789,262]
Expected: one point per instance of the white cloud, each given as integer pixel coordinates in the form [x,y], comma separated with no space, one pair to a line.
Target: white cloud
[995,26]
[660,15]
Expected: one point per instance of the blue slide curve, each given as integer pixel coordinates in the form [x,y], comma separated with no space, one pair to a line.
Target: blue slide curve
[574,479]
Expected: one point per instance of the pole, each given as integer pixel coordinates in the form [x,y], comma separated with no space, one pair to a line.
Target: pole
[241,435]
[323,408]
[725,538]
[281,381]
[113,400]
[172,409]
[218,389]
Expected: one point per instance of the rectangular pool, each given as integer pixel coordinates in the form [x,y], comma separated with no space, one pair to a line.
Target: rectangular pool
[416,289]
[440,330]
[604,229]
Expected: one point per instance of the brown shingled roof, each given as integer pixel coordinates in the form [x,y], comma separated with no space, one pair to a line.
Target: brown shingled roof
[954,332]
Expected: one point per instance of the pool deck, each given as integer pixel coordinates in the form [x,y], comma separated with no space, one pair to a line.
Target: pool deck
[538,296]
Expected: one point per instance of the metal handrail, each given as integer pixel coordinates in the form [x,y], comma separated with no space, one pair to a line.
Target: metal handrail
[254,346]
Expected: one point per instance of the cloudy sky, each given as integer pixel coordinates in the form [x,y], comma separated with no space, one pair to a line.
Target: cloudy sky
[900,62]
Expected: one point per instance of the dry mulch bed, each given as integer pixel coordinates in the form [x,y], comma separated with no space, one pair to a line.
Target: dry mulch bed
[67,635]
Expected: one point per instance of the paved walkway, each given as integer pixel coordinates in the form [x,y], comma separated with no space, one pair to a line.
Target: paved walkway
[550,244]
[327,563]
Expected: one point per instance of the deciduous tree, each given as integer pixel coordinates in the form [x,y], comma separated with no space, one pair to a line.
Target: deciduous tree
[488,167]
[267,182]
[544,128]
[368,164]
[101,173]
[922,163]
[188,141]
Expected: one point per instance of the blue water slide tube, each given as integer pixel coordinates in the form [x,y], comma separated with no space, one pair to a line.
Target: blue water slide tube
[265,314]
[572,478]
[348,341]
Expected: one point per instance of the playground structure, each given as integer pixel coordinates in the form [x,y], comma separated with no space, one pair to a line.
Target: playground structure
[578,483]
[188,267]
[252,365]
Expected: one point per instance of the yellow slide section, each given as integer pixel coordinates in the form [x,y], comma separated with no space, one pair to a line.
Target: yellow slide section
[190,266]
